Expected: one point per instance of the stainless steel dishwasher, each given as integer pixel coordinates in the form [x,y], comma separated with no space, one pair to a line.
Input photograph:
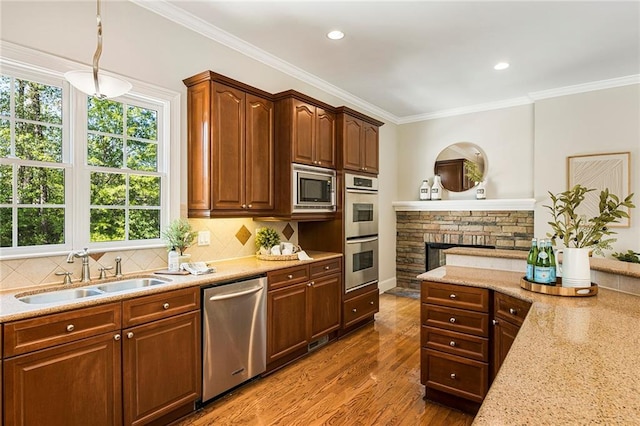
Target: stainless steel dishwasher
[234,334]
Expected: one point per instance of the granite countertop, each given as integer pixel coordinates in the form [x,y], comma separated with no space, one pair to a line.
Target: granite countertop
[12,309]
[575,360]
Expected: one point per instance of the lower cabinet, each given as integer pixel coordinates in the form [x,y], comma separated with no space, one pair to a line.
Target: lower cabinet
[128,363]
[508,315]
[303,306]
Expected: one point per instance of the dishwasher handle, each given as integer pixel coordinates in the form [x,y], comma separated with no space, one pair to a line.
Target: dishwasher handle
[238,294]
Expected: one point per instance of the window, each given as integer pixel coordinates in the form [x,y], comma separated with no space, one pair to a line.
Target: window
[101,183]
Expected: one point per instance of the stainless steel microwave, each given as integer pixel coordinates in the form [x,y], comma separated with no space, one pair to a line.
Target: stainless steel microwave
[314,189]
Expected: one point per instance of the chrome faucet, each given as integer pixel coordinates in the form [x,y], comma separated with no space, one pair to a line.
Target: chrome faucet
[84,255]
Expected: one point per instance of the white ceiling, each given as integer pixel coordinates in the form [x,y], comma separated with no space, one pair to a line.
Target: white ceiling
[410,60]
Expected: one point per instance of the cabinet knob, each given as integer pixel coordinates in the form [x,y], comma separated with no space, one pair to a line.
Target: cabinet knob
[513,311]
[244,206]
[290,276]
[495,322]
[371,303]
[249,206]
[452,344]
[326,268]
[70,327]
[354,310]
[319,163]
[452,296]
[453,376]
[116,337]
[310,283]
[129,335]
[165,306]
[452,320]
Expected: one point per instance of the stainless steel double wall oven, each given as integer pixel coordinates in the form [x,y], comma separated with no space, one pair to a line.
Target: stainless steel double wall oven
[361,231]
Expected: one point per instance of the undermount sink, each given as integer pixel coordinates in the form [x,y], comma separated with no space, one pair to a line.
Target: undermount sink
[80,293]
[60,295]
[117,286]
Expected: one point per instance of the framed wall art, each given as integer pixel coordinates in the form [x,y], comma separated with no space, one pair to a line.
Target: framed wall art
[600,171]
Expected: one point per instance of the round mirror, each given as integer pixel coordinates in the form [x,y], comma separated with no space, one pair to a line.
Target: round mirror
[460,166]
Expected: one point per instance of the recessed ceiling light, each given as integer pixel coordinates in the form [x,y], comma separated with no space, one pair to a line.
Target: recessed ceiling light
[335,35]
[501,66]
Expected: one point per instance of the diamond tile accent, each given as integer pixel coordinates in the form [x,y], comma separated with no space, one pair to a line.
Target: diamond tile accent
[243,235]
[288,231]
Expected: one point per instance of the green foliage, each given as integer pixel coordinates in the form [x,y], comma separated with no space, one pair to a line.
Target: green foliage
[578,231]
[472,171]
[180,235]
[629,256]
[267,237]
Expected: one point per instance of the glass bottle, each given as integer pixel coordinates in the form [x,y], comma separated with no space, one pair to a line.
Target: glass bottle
[552,264]
[436,189]
[425,190]
[541,270]
[531,259]
[481,193]
[173,262]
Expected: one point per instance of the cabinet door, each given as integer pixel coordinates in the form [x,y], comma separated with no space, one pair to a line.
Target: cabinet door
[325,147]
[324,305]
[504,333]
[199,148]
[259,172]
[286,321]
[228,147]
[303,132]
[76,383]
[370,148]
[161,367]
[352,142]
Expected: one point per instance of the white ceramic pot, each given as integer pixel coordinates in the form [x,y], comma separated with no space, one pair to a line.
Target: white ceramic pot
[575,269]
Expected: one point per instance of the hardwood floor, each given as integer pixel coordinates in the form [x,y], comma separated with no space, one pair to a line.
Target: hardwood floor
[371,377]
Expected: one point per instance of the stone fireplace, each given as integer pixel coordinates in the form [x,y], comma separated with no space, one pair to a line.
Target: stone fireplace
[501,229]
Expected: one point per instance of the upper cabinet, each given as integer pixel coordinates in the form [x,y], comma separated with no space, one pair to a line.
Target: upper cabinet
[230,148]
[308,129]
[358,135]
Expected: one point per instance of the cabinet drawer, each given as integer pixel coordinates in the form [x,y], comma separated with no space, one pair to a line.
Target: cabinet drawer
[288,276]
[360,307]
[50,330]
[455,296]
[459,376]
[509,308]
[158,306]
[459,320]
[465,345]
[327,267]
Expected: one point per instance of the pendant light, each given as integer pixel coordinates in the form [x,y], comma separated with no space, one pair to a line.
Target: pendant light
[91,82]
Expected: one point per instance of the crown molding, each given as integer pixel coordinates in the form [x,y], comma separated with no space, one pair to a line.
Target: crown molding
[198,25]
[507,103]
[586,87]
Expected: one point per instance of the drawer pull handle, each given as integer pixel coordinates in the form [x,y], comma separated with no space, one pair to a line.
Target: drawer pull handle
[116,337]
[354,310]
[452,344]
[165,306]
[129,335]
[453,376]
[513,311]
[495,322]
[452,320]
[326,268]
[289,276]
[452,296]
[70,327]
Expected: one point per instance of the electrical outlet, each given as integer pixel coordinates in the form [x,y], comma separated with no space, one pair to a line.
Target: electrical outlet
[204,238]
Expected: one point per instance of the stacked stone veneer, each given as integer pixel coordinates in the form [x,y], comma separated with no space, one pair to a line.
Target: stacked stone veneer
[503,229]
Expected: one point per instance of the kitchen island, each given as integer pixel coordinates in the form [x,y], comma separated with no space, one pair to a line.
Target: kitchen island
[575,360]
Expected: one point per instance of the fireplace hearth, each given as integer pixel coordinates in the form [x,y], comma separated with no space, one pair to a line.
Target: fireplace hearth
[434,253]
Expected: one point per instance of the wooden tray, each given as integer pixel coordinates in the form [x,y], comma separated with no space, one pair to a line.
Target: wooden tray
[277,256]
[558,290]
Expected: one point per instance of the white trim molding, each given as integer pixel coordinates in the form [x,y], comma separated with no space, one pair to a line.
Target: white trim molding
[466,205]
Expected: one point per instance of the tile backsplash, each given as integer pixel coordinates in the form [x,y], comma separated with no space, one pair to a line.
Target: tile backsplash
[230,238]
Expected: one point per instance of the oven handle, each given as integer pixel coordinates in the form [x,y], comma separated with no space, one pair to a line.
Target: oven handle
[362,191]
[362,240]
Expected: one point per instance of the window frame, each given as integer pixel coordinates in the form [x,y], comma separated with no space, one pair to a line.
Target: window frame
[24,63]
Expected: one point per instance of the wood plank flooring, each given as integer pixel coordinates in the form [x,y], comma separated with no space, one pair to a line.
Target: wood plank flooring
[371,377]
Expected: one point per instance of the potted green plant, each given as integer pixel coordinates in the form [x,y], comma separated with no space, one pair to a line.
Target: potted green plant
[581,235]
[266,238]
[179,235]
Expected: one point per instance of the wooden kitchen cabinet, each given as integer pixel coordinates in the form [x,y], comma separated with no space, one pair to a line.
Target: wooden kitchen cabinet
[358,137]
[508,315]
[230,148]
[454,361]
[161,355]
[303,305]
[453,175]
[307,128]
[68,370]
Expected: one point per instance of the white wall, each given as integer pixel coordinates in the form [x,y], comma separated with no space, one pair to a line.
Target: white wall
[587,123]
[141,45]
[505,136]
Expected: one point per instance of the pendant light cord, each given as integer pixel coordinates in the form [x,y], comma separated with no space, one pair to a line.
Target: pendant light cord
[96,55]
